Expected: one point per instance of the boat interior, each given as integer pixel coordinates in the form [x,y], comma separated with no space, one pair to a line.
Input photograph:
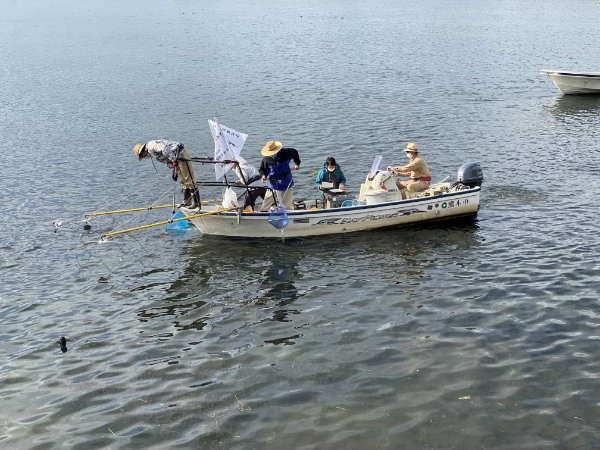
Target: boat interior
[381,188]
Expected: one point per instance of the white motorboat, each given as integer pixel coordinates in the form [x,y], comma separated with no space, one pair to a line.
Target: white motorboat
[380,204]
[575,82]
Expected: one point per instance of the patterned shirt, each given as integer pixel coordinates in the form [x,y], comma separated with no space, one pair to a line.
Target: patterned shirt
[163,150]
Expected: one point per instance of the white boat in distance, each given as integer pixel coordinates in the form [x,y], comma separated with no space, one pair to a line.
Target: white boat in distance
[379,205]
[575,83]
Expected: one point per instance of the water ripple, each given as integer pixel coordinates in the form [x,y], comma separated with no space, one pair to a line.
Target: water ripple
[467,335]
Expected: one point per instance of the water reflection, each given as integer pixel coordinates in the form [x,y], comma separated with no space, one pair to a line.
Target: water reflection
[177,300]
[278,285]
[222,275]
[238,285]
[568,107]
[177,309]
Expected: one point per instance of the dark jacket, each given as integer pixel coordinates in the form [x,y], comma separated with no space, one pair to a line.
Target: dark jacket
[277,168]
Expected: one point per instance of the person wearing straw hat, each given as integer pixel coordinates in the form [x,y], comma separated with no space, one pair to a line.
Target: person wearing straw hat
[174,155]
[275,169]
[416,169]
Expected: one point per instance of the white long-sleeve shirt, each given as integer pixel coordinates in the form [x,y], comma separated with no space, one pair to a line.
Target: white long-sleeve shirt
[248,171]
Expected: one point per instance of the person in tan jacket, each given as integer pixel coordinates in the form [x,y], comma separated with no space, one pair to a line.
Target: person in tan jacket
[416,169]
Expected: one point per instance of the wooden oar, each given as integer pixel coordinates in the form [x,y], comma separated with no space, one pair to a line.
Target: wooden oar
[163,222]
[120,211]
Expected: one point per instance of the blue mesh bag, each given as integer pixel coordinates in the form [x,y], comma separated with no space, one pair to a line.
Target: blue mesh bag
[278,218]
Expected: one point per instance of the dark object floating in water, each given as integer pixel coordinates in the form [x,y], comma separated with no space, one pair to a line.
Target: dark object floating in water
[87,226]
[63,344]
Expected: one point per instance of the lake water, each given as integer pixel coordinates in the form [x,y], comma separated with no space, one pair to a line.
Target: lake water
[463,336]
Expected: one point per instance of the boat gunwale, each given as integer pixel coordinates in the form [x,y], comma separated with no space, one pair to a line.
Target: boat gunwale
[342,209]
[560,73]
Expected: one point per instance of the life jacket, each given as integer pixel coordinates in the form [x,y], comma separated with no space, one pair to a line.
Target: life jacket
[280,176]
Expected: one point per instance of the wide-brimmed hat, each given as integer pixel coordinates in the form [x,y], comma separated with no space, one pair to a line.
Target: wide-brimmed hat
[138,150]
[412,147]
[271,148]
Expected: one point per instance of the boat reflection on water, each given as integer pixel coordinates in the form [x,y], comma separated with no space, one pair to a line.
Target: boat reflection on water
[569,107]
[229,287]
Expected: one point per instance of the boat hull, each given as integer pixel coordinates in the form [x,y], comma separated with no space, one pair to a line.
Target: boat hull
[339,220]
[575,83]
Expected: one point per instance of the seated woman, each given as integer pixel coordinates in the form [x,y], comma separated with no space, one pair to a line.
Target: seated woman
[331,173]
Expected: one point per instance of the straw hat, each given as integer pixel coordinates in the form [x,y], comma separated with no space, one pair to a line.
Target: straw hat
[411,147]
[271,148]
[138,150]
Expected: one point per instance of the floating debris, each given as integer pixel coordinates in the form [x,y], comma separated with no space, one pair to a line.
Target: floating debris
[63,344]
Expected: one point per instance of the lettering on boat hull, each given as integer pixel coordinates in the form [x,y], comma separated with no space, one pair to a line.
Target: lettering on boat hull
[346,220]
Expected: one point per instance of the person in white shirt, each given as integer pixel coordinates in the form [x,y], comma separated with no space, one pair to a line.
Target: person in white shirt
[249,176]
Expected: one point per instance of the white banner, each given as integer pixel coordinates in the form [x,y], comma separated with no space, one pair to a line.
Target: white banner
[228,145]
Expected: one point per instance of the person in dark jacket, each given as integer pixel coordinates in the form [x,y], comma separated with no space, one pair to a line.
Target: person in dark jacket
[275,169]
[331,173]
[175,155]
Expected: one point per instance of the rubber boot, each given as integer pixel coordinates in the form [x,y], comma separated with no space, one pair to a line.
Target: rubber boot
[195,199]
[188,199]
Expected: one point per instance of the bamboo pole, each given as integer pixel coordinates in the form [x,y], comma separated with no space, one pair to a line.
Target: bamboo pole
[120,211]
[145,208]
[163,222]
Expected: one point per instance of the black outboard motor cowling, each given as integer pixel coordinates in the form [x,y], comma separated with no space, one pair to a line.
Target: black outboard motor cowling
[470,174]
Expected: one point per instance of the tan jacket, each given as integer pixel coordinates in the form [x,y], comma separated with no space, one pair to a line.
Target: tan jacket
[415,169]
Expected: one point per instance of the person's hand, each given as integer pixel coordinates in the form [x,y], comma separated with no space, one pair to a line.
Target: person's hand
[263,178]
[296,167]
[342,187]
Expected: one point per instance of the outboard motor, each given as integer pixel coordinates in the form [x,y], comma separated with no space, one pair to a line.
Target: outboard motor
[470,174]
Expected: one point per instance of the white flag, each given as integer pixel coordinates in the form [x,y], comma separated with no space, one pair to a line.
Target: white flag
[228,145]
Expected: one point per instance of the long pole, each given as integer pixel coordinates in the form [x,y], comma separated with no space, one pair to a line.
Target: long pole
[121,211]
[163,222]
